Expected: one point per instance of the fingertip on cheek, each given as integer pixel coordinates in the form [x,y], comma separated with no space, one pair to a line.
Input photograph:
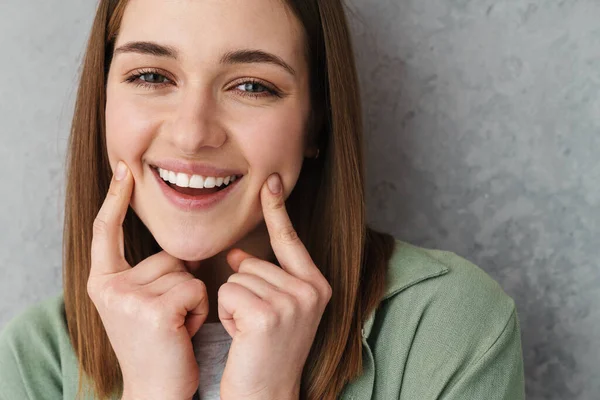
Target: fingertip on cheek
[274,183]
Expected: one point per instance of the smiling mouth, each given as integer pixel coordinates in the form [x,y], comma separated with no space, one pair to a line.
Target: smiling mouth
[195,191]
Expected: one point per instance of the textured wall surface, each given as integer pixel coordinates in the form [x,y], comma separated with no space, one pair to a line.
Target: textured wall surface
[483,124]
[41,50]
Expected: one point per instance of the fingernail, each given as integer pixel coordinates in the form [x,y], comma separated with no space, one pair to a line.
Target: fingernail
[121,171]
[274,184]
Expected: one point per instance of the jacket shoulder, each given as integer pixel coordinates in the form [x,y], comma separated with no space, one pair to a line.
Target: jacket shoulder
[451,291]
[30,352]
[441,314]
[448,281]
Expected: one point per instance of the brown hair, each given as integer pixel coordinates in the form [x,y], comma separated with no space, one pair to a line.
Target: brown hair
[327,206]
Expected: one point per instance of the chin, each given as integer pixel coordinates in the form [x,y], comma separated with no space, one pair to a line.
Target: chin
[190,247]
[192,240]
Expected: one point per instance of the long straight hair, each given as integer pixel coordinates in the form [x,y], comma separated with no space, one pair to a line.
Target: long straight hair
[327,206]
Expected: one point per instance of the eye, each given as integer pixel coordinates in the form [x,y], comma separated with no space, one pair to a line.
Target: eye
[256,89]
[153,78]
[150,79]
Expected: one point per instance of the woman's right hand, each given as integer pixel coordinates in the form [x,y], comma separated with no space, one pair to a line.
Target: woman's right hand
[150,312]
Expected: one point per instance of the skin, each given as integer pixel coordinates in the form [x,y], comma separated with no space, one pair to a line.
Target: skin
[197,111]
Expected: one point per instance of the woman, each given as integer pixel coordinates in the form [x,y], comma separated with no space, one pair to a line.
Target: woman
[234,225]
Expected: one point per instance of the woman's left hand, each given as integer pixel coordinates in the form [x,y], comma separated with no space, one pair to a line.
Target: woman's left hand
[271,313]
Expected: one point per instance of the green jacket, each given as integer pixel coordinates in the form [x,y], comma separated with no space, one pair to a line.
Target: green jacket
[445,330]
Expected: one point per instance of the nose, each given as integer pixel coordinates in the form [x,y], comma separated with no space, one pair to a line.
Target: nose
[196,123]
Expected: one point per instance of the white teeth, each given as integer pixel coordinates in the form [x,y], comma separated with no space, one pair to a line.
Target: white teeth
[197,182]
[182,180]
[209,182]
[173,177]
[194,181]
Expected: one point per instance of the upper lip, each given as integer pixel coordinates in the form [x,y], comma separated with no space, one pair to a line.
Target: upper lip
[189,168]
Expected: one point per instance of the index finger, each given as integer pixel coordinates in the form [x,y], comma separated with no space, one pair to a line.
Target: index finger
[287,246]
[108,253]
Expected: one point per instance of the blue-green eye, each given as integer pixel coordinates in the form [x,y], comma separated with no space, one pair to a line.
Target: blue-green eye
[149,79]
[153,78]
[254,88]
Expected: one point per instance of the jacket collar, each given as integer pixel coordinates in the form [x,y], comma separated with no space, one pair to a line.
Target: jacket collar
[408,266]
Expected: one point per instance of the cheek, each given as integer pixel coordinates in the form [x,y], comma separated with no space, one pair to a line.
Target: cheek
[275,143]
[129,129]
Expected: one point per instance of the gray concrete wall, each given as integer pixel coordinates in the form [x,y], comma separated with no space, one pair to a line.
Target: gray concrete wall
[484,133]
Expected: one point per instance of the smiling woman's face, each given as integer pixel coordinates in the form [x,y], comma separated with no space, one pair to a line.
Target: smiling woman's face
[197,92]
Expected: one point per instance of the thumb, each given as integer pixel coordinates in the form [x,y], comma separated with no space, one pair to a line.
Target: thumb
[108,254]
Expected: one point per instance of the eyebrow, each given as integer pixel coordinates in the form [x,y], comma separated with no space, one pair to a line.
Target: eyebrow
[241,56]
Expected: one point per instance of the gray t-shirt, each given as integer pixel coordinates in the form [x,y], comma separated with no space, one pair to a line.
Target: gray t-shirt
[211,346]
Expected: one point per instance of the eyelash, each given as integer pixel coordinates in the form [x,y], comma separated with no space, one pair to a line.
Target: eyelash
[135,80]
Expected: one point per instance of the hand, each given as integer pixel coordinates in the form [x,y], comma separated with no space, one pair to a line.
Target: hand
[271,313]
[150,312]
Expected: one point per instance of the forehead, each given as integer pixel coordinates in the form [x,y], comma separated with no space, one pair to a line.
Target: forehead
[204,29]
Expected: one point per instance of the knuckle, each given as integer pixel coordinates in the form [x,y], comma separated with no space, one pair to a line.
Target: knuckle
[112,296]
[113,192]
[198,285]
[100,227]
[128,302]
[222,290]
[324,288]
[165,315]
[226,289]
[287,235]
[288,303]
[180,276]
[247,266]
[158,315]
[267,319]
[278,203]
[309,295]
[233,277]
[172,265]
[167,263]
[91,289]
[93,286]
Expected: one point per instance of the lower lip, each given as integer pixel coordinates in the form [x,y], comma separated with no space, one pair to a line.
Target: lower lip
[187,202]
